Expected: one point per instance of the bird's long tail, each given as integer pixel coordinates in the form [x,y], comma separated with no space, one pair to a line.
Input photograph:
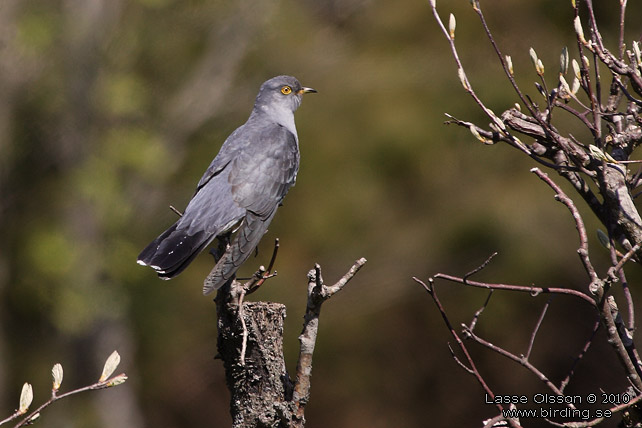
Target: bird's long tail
[246,240]
[173,251]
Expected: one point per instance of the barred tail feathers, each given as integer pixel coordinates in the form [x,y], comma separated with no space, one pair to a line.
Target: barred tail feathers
[246,240]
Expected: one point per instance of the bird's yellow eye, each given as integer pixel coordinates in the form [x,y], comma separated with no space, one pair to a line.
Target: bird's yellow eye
[286,90]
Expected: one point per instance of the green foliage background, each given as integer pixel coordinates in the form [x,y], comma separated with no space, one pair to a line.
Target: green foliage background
[110,110]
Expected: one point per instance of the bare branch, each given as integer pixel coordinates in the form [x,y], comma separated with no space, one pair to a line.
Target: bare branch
[473,322]
[523,360]
[497,122]
[532,290]
[579,223]
[472,367]
[29,418]
[318,293]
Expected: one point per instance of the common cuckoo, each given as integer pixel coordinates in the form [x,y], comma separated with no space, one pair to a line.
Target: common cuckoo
[240,191]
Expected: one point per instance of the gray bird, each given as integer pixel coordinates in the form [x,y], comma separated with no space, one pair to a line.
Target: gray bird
[240,191]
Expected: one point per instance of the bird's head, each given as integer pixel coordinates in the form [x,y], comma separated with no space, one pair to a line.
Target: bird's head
[281,93]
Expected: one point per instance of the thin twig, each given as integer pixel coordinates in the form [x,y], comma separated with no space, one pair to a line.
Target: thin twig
[579,223]
[458,361]
[493,137]
[618,267]
[180,214]
[468,88]
[622,15]
[579,357]
[608,311]
[625,286]
[480,267]
[29,418]
[537,326]
[269,273]
[511,78]
[577,114]
[473,322]
[532,290]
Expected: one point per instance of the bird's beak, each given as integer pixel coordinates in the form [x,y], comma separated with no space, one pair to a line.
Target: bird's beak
[305,90]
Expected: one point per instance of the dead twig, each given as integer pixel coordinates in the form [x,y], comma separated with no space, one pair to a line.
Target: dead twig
[176,211]
[532,290]
[480,267]
[537,326]
[318,292]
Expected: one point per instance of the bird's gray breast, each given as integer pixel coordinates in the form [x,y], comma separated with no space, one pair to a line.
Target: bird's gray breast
[262,173]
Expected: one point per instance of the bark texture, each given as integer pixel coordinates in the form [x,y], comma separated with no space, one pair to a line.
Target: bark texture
[258,381]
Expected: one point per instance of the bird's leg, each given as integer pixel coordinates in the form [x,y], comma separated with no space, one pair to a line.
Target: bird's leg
[223,244]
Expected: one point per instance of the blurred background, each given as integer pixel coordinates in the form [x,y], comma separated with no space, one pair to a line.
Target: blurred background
[110,111]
